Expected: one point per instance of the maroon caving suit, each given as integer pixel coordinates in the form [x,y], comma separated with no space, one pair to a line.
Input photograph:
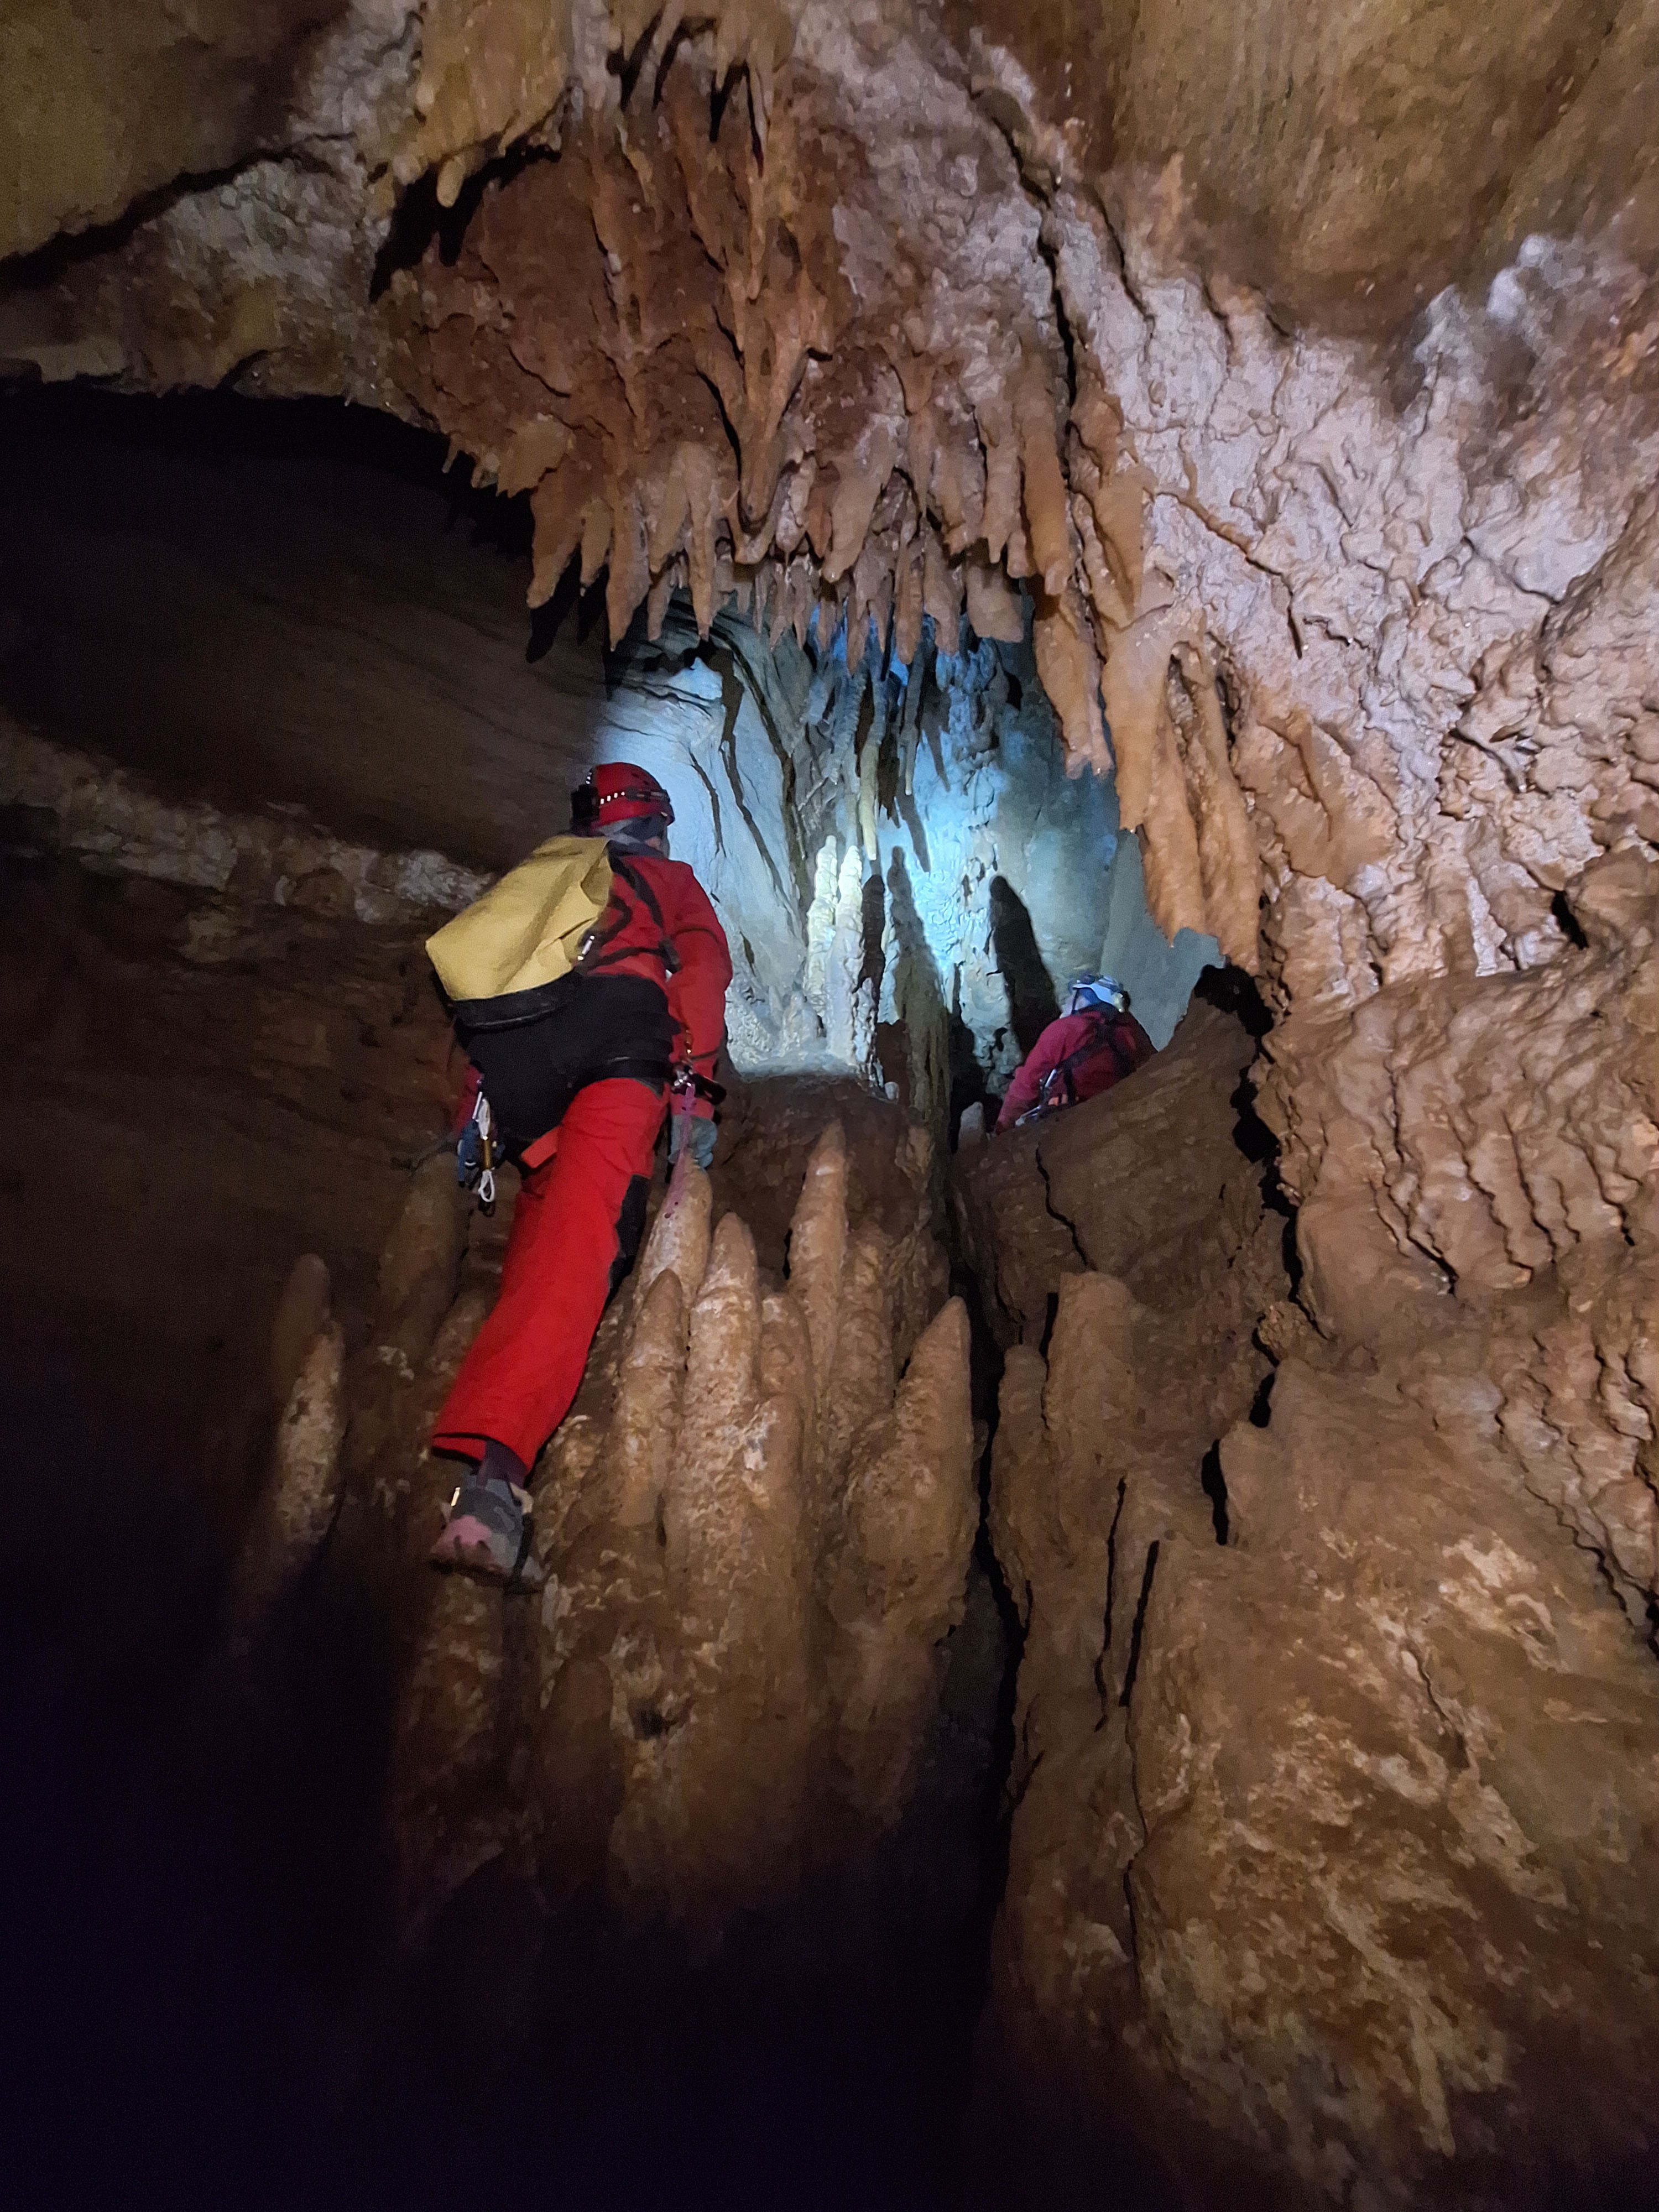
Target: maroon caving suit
[657,991]
[1110,1046]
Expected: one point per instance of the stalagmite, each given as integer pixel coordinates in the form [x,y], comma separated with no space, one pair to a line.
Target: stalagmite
[301,1492]
[447,1812]
[818,1259]
[302,1314]
[722,1385]
[647,1415]
[723,1793]
[696,1704]
[680,1237]
[448,1774]
[900,1546]
[857,1383]
[422,1261]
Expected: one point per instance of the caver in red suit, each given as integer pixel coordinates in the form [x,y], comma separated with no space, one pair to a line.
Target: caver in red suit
[1095,1043]
[582,1114]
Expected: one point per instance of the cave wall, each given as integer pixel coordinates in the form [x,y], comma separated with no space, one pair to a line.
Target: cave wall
[1289,392]
[1008,874]
[1329,1875]
[204,1077]
[1353,162]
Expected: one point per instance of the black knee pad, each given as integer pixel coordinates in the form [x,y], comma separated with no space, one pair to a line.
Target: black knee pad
[630,1227]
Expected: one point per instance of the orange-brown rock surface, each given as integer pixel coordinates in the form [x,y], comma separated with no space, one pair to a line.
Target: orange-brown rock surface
[1280,399]
[1332,1844]
[755,1527]
[876,317]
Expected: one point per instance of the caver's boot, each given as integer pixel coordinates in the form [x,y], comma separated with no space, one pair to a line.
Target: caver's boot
[487,1533]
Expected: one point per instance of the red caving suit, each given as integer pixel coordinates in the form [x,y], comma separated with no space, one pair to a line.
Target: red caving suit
[581,1204]
[1102,1047]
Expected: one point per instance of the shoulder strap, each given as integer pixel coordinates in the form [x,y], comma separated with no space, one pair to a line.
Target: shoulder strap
[597,957]
[640,885]
[1103,1035]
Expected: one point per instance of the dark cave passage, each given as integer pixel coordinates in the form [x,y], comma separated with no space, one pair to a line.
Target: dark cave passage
[728,1867]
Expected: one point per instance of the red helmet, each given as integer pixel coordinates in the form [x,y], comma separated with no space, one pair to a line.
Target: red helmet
[618,792]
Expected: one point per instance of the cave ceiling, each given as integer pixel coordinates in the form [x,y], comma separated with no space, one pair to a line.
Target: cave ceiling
[1230,351]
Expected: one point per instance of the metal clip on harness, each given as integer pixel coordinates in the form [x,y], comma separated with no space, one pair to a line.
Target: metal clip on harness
[686,1083]
[475,1155]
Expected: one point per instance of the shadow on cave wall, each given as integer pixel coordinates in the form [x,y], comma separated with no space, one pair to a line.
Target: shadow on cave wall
[1032,1004]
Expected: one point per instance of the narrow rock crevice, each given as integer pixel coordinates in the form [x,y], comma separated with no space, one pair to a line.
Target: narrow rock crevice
[1213,1483]
[1132,1663]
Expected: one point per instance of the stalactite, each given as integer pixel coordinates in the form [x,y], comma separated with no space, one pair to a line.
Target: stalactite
[886,501]
[1200,862]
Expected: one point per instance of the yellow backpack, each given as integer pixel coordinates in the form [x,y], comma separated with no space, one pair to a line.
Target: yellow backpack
[527,931]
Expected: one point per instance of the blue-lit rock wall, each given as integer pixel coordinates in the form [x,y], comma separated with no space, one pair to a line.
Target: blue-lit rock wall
[908,878]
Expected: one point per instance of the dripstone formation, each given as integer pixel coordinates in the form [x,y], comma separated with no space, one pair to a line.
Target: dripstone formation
[1259,410]
[755,1530]
[1337,1739]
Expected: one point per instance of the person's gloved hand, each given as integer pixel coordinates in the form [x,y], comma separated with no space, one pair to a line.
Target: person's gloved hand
[693,1133]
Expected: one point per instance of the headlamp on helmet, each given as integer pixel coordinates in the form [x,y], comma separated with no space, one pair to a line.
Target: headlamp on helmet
[617,792]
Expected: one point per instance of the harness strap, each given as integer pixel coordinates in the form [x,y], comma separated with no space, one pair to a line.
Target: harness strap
[636,883]
[639,1070]
[1104,1037]
[688,1082]
[642,891]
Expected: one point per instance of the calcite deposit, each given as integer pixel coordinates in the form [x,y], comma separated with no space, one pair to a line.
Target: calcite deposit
[1308,1827]
[1478,1207]
[828,310]
[754,1529]
[1067,486]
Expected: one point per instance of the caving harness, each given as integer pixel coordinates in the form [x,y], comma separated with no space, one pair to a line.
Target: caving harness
[686,1083]
[1059,1085]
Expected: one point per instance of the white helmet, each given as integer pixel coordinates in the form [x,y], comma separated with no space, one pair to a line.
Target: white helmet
[1102,991]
